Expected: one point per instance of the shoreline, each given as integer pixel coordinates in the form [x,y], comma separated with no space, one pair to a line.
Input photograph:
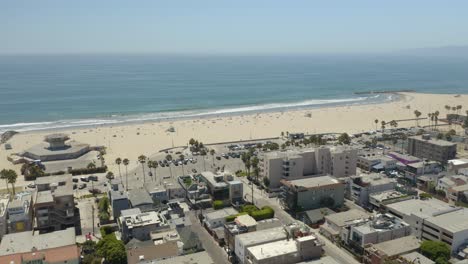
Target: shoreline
[132,140]
[391,96]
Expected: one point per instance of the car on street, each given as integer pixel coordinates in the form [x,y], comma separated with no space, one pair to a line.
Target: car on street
[32,185]
[93,178]
[84,179]
[75,179]
[82,186]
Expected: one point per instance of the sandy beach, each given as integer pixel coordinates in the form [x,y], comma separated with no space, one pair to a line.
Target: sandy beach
[130,141]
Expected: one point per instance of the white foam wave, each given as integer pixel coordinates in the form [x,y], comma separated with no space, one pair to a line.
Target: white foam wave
[119,119]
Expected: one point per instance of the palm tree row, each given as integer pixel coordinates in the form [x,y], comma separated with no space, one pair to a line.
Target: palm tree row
[454,109]
[433,119]
[125,162]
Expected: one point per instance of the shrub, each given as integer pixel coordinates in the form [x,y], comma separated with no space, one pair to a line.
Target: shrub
[88,170]
[217,204]
[425,196]
[436,250]
[231,218]
[249,208]
[266,213]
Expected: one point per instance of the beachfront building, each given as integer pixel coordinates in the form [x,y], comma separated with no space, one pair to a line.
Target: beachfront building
[415,211]
[244,241]
[337,161]
[285,251]
[141,199]
[4,201]
[360,187]
[54,204]
[222,187]
[378,229]
[20,213]
[381,252]
[432,149]
[134,224]
[312,193]
[56,147]
[55,247]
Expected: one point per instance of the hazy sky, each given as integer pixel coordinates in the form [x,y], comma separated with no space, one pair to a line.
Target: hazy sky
[235,26]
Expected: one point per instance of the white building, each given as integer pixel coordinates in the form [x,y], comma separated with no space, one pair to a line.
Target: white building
[4,201]
[135,224]
[336,223]
[217,218]
[381,228]
[294,164]
[20,213]
[414,212]
[360,187]
[244,241]
[285,251]
[451,228]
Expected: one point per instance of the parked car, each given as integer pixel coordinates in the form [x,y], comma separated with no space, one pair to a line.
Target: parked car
[84,179]
[75,179]
[93,178]
[82,186]
[32,185]
[95,191]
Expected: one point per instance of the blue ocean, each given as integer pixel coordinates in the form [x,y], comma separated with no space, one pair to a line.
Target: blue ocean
[59,91]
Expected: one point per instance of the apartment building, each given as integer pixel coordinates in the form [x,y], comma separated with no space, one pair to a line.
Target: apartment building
[433,149]
[337,161]
[312,193]
[359,188]
[335,224]
[54,204]
[20,213]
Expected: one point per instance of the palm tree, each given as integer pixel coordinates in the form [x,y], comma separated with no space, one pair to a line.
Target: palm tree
[383,125]
[142,160]
[150,166]
[376,121]
[4,176]
[459,107]
[212,153]
[417,114]
[169,158]
[12,176]
[118,161]
[125,163]
[447,107]
[254,163]
[436,117]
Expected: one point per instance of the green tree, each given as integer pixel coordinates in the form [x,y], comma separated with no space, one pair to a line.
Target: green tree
[91,166]
[12,176]
[125,163]
[344,139]
[436,250]
[212,153]
[4,176]
[112,250]
[266,182]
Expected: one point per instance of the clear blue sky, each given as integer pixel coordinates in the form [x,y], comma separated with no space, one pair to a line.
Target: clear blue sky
[234,26]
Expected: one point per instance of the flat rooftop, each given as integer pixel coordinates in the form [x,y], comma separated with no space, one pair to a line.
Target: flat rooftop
[344,218]
[195,258]
[24,241]
[375,179]
[438,142]
[42,149]
[142,219]
[455,221]
[398,246]
[419,258]
[322,260]
[458,162]
[261,237]
[273,249]
[211,178]
[387,195]
[421,208]
[221,213]
[314,182]
[4,201]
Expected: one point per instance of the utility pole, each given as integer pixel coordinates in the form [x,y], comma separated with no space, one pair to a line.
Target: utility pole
[93,217]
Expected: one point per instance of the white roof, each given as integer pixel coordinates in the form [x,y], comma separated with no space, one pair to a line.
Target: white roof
[457,162]
[455,221]
[421,208]
[261,237]
[278,248]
